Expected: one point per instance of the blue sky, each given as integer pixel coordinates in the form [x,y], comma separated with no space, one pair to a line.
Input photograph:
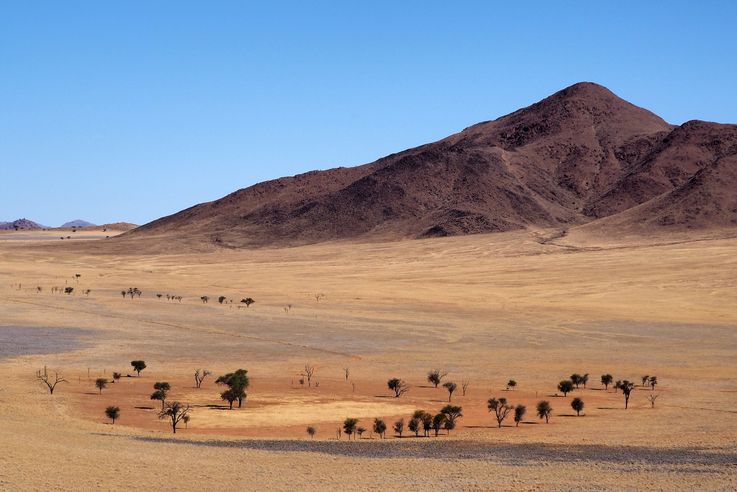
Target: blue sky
[133,110]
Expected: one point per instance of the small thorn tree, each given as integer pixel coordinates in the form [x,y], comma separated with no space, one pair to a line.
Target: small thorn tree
[113,413]
[544,410]
[577,405]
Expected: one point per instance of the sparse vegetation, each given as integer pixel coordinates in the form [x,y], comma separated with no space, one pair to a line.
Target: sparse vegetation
[626,387]
[398,386]
[237,383]
[380,427]
[450,386]
[349,427]
[113,413]
[577,405]
[501,409]
[199,376]
[175,412]
[435,376]
[464,386]
[414,425]
[653,380]
[138,366]
[399,427]
[309,370]
[161,391]
[101,384]
[247,301]
[544,410]
[452,414]
[565,386]
[46,379]
[438,422]
[606,380]
[576,379]
[651,398]
[519,414]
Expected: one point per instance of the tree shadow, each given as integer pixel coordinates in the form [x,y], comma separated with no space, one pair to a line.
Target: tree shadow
[144,408]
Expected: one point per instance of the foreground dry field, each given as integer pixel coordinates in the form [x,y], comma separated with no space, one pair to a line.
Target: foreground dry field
[534,307]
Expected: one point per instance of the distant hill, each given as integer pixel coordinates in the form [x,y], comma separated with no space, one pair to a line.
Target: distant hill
[77,223]
[577,157]
[20,224]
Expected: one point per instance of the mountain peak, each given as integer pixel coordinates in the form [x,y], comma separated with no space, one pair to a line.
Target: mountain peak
[577,156]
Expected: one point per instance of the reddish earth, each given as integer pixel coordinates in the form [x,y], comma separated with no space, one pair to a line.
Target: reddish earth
[576,157]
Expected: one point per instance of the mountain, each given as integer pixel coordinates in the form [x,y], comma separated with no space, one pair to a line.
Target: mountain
[578,156]
[76,223]
[20,224]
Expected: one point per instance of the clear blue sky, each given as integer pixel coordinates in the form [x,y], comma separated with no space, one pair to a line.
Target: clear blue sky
[133,110]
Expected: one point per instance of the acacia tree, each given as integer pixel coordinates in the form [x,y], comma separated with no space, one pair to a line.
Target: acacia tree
[435,376]
[645,379]
[606,380]
[565,386]
[500,407]
[576,379]
[438,421]
[237,383]
[651,398]
[452,413]
[399,427]
[247,301]
[626,387]
[511,384]
[311,431]
[380,427]
[519,414]
[199,376]
[116,377]
[101,384]
[113,413]
[349,427]
[577,405]
[138,366]
[464,386]
[451,387]
[653,381]
[175,412]
[544,410]
[46,379]
[414,425]
[161,391]
[585,379]
[398,386]
[426,420]
[308,372]
[230,396]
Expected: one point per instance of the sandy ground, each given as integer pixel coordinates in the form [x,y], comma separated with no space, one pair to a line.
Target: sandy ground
[532,306]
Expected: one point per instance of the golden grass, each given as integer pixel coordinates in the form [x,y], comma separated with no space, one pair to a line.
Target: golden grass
[486,308]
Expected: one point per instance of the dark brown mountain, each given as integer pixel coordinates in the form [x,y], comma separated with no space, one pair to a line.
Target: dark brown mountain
[580,155]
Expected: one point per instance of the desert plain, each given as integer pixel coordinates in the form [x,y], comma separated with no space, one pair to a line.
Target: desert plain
[534,306]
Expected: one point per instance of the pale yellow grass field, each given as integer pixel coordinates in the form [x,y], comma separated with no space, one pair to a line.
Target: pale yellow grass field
[486,308]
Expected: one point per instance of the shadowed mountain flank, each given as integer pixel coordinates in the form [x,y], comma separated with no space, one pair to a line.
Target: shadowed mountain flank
[579,156]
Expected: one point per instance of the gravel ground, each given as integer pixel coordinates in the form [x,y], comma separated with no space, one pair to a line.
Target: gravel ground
[508,454]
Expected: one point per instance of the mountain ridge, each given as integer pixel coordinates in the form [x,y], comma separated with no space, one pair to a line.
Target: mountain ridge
[580,155]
